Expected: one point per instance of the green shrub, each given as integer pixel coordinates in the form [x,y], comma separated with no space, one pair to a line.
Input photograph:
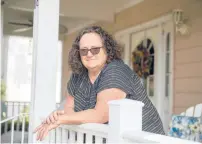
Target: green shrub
[3,90]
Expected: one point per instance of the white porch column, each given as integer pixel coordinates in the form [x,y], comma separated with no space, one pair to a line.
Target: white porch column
[124,115]
[45,36]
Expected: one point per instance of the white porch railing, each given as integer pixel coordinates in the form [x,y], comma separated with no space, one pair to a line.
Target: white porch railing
[125,126]
[85,133]
[15,112]
[13,108]
[12,132]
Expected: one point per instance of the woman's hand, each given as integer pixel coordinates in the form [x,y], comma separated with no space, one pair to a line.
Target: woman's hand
[43,129]
[53,117]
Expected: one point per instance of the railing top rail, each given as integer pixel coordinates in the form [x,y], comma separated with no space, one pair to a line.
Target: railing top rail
[93,128]
[146,137]
[18,101]
[21,114]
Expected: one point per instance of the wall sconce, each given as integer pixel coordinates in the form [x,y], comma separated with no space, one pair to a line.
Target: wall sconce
[180,22]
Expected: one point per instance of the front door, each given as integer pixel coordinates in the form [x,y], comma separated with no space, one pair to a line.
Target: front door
[157,40]
[148,39]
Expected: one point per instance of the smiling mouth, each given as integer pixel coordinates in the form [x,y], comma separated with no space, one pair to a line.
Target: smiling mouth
[89,59]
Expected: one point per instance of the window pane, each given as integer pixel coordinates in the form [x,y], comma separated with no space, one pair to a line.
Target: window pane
[168,42]
[167,62]
[151,86]
[145,83]
[151,46]
[19,69]
[152,66]
[167,85]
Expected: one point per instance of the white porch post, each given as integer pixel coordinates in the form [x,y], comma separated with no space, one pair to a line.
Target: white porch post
[124,115]
[45,36]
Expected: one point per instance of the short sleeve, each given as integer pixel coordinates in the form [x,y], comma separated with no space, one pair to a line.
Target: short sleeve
[115,76]
[71,85]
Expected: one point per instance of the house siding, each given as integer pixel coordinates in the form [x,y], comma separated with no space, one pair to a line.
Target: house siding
[187,81]
[188,62]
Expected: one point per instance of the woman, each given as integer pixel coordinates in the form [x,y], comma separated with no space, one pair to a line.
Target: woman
[99,75]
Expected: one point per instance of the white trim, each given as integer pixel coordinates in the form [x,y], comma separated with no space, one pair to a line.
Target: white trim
[61,63]
[5,48]
[172,36]
[2,43]
[160,73]
[128,5]
[169,28]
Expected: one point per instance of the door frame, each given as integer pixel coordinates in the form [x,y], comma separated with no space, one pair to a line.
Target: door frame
[125,37]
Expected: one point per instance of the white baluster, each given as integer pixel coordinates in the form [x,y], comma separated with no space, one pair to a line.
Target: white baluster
[12,130]
[80,138]
[23,129]
[71,137]
[18,120]
[89,138]
[98,140]
[58,135]
[52,135]
[64,135]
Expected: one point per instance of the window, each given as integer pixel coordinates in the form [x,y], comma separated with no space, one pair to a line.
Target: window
[149,81]
[167,62]
[19,69]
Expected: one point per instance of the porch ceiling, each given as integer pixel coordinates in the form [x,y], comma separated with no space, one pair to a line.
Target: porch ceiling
[73,13]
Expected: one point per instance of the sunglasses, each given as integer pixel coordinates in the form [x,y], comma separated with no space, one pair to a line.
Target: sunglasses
[94,51]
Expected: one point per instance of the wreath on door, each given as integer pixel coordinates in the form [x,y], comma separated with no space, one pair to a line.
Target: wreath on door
[141,60]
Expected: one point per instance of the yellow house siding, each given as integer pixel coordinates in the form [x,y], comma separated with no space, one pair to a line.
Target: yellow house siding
[188,64]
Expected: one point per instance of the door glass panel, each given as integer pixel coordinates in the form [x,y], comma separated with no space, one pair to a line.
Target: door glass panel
[167,62]
[151,86]
[143,56]
[167,85]
[152,65]
[168,42]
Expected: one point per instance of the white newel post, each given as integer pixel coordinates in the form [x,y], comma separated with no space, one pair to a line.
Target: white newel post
[45,36]
[124,115]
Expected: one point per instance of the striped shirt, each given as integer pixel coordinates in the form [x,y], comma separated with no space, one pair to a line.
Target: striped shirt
[114,75]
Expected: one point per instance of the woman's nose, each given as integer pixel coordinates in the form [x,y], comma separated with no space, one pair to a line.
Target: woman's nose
[89,54]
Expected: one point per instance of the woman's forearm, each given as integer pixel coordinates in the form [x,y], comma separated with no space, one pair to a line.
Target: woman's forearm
[69,111]
[69,105]
[87,116]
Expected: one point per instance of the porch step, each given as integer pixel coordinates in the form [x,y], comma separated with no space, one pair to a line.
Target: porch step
[6,137]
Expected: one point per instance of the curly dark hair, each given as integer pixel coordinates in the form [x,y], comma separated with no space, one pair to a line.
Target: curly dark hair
[113,49]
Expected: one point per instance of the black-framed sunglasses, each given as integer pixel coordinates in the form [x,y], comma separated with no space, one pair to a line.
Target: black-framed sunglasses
[94,51]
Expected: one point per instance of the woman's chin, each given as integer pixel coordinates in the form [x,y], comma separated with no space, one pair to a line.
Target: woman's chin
[91,67]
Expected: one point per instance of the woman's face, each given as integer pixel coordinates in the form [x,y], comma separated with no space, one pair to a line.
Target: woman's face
[92,51]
